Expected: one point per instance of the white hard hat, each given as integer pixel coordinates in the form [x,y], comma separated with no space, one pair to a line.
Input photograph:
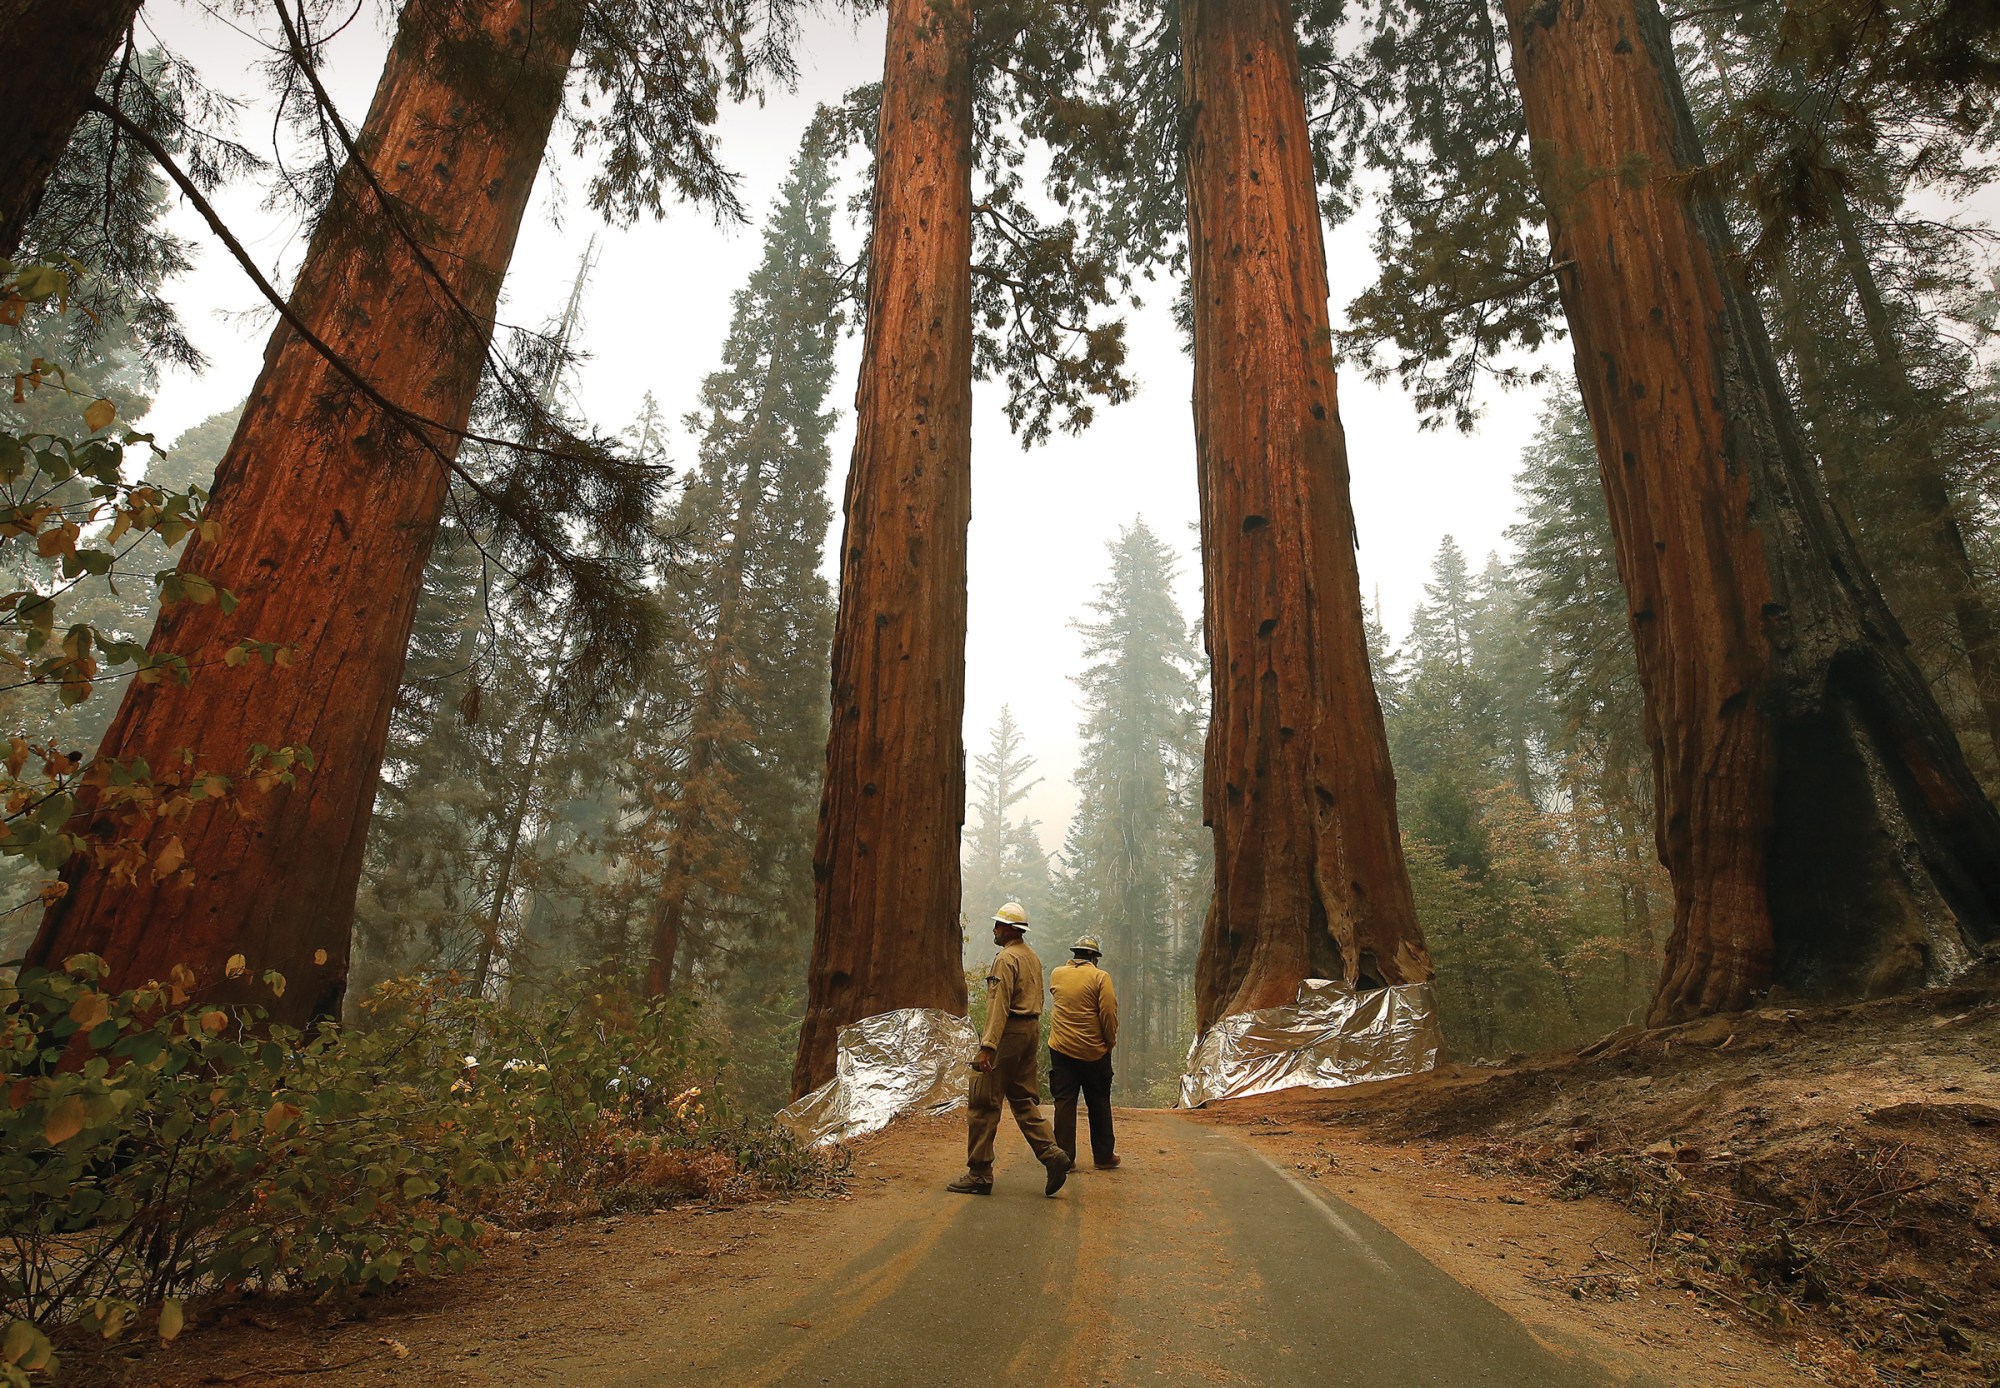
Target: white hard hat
[1012,914]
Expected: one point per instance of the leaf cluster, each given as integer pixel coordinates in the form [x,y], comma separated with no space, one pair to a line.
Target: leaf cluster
[153,1151]
[71,522]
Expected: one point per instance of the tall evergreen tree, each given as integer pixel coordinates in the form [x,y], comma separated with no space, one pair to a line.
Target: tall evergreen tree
[960,282]
[327,506]
[1793,738]
[885,855]
[1803,761]
[466,789]
[1309,874]
[1004,859]
[722,768]
[1526,903]
[1869,293]
[1131,854]
[1573,606]
[57,56]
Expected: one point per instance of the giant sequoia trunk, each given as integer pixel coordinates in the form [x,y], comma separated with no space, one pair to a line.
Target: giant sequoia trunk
[886,931]
[1309,873]
[56,52]
[328,512]
[1817,816]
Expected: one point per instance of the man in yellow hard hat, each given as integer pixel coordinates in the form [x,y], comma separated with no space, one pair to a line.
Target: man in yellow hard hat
[1006,1062]
[1081,1036]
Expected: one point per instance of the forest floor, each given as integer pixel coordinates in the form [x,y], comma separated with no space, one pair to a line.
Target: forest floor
[1781,1197]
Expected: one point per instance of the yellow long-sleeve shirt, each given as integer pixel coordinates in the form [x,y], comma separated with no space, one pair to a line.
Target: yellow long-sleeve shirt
[1085,1026]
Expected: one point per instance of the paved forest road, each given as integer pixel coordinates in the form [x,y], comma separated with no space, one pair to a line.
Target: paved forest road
[1199,1262]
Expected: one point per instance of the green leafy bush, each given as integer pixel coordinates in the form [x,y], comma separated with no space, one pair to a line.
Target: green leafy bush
[152,1151]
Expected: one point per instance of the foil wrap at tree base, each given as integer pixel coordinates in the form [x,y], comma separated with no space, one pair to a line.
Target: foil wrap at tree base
[1332,1036]
[912,1060]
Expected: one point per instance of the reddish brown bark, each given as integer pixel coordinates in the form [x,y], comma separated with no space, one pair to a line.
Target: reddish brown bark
[886,931]
[329,512]
[1821,827]
[57,51]
[1309,872]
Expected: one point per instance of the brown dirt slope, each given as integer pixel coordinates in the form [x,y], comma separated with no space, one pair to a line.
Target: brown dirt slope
[1829,1179]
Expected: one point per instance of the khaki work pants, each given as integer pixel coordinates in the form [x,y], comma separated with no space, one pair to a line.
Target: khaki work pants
[1012,1077]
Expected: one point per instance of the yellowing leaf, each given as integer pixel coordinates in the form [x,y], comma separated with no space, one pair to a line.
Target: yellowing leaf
[25,1347]
[236,967]
[89,1009]
[99,414]
[170,856]
[172,1318]
[213,1021]
[278,1115]
[65,1120]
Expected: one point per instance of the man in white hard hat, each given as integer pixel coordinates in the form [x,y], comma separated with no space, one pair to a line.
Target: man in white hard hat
[1081,1036]
[1006,1062]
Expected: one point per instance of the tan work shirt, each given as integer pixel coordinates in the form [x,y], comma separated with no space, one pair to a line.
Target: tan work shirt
[1085,1026]
[1013,989]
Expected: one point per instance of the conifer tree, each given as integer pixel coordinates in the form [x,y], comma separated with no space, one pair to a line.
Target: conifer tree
[1309,872]
[1527,904]
[886,852]
[1794,738]
[1869,297]
[725,837]
[1775,676]
[958,284]
[1004,860]
[56,56]
[1573,607]
[327,505]
[1129,859]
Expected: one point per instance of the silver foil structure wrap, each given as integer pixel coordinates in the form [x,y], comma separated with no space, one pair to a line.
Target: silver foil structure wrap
[912,1060]
[1332,1036]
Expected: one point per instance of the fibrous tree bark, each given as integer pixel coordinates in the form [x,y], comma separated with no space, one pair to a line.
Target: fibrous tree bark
[1816,813]
[1309,872]
[328,507]
[57,50]
[886,932]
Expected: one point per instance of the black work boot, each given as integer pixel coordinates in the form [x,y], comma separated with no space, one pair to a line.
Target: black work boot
[1058,1167]
[969,1184]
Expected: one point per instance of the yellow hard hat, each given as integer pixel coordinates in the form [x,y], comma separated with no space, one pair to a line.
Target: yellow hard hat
[1011,914]
[1087,944]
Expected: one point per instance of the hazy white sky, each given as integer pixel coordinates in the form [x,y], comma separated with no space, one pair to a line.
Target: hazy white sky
[655,314]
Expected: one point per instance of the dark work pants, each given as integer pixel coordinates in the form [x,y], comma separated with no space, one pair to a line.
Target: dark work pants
[1067,1077]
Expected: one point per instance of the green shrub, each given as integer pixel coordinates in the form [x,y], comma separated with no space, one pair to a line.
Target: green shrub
[152,1151]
